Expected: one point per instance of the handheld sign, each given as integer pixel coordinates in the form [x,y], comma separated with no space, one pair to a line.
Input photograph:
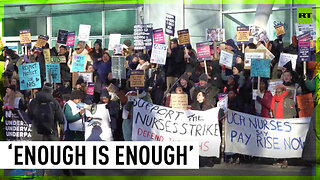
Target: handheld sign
[184,37]
[46,54]
[306,28]
[215,34]
[25,37]
[114,39]
[62,36]
[70,39]
[84,32]
[90,88]
[170,24]
[159,54]
[253,54]
[203,51]
[158,36]
[54,71]
[226,58]
[305,37]
[285,58]
[260,68]
[179,101]
[305,105]
[279,29]
[137,79]
[243,34]
[269,55]
[304,51]
[58,59]
[118,68]
[29,76]
[78,63]
[42,41]
[142,36]
[87,77]
[272,84]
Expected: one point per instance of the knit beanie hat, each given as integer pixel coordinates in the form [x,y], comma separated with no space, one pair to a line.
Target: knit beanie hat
[203,77]
[238,66]
[47,88]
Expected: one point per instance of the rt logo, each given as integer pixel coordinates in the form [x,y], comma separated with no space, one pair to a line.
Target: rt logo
[304,15]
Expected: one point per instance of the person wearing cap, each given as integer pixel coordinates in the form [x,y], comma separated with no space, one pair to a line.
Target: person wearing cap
[282,106]
[210,91]
[143,62]
[45,96]
[186,84]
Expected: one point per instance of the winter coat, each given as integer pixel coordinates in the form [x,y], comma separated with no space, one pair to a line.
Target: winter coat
[216,79]
[236,104]
[287,110]
[201,106]
[156,89]
[88,59]
[175,63]
[102,68]
[42,97]
[74,125]
[114,109]
[192,61]
[265,103]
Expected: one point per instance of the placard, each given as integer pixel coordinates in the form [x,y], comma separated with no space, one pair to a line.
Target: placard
[170,24]
[46,54]
[87,77]
[25,37]
[78,63]
[305,105]
[58,59]
[260,68]
[285,58]
[272,84]
[279,30]
[243,34]
[84,32]
[90,88]
[70,39]
[114,39]
[62,36]
[118,68]
[302,28]
[158,36]
[269,55]
[16,128]
[158,123]
[304,51]
[42,41]
[142,36]
[305,37]
[203,51]
[215,35]
[184,38]
[179,101]
[137,79]
[159,54]
[226,58]
[54,71]
[265,137]
[29,76]
[223,103]
[253,54]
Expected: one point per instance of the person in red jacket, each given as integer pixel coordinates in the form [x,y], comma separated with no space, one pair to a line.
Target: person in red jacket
[263,101]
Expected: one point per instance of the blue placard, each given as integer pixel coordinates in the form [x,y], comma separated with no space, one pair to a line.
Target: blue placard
[54,71]
[29,76]
[78,62]
[260,68]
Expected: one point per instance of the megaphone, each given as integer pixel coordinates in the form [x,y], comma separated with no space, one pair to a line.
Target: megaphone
[92,108]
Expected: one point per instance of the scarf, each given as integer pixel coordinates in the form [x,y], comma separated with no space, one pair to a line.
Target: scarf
[279,100]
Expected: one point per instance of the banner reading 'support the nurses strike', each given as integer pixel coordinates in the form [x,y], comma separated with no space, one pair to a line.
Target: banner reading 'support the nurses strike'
[158,123]
[264,137]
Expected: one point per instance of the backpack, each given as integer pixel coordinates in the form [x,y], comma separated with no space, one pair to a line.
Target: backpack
[45,121]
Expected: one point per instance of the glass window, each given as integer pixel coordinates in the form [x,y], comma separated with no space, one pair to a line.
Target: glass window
[280,16]
[37,25]
[231,21]
[211,4]
[121,21]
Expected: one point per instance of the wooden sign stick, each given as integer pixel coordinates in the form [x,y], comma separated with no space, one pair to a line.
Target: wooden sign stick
[243,48]
[205,67]
[215,50]
[186,51]
[169,46]
[259,84]
[305,70]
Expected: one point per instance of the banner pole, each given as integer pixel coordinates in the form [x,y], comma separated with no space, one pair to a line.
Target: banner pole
[169,47]
[223,141]
[205,67]
[243,48]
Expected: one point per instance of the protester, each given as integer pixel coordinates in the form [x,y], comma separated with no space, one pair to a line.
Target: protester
[263,101]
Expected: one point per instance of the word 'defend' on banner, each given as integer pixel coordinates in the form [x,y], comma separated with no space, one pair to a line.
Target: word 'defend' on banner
[99,155]
[264,137]
[158,123]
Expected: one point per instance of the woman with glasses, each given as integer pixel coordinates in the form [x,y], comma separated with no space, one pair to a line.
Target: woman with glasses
[80,50]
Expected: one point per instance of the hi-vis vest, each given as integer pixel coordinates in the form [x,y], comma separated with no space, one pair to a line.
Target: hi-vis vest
[76,125]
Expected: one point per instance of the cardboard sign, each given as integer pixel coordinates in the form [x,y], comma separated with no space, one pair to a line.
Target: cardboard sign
[226,58]
[78,63]
[272,84]
[25,37]
[305,105]
[159,54]
[179,101]
[184,38]
[54,71]
[269,55]
[58,59]
[180,126]
[203,51]
[118,68]
[114,39]
[304,51]
[158,36]
[215,35]
[90,88]
[285,58]
[87,77]
[62,36]
[70,39]
[260,68]
[253,54]
[29,76]
[170,24]
[279,30]
[277,138]
[84,32]
[142,36]
[243,34]
[46,54]
[42,41]
[137,79]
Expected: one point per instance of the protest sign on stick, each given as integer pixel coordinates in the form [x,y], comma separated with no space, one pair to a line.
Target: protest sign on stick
[260,68]
[78,63]
[47,56]
[42,41]
[25,37]
[87,77]
[54,72]
[118,68]
[170,24]
[62,36]
[285,58]
[114,39]
[142,36]
[226,58]
[158,36]
[203,51]
[243,34]
[184,37]
[269,55]
[29,76]
[159,54]
[253,54]
[84,32]
[137,79]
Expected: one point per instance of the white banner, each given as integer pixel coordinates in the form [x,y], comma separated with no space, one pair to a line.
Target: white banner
[264,137]
[159,54]
[158,123]
[285,58]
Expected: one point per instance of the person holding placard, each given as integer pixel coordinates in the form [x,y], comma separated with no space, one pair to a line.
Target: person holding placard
[80,50]
[236,72]
[231,46]
[190,58]
[263,101]
[282,106]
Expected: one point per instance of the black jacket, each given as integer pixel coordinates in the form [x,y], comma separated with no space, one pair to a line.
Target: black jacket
[175,64]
